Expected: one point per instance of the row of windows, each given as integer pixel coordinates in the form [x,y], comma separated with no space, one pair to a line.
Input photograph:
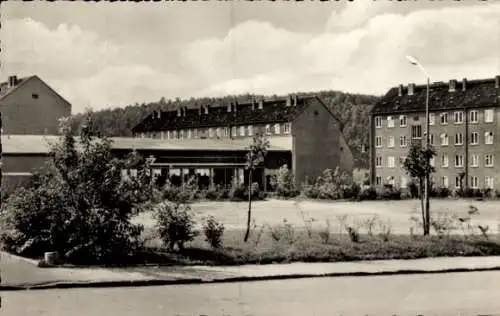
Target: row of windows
[444,139]
[444,182]
[275,129]
[459,161]
[458,118]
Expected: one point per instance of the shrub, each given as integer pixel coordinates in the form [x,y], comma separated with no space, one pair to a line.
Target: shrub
[238,192]
[369,193]
[213,231]
[284,232]
[310,191]
[442,192]
[390,194]
[175,224]
[284,183]
[82,208]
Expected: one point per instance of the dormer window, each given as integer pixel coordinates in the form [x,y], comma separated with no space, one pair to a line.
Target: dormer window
[277,130]
[250,130]
[242,130]
[210,132]
[189,134]
[233,131]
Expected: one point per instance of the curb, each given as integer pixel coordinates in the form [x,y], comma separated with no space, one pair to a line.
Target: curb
[155,282]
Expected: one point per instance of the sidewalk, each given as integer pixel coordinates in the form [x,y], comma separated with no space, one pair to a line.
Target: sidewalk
[18,274]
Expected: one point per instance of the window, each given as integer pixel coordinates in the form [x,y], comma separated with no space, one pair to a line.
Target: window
[226,131]
[403,120]
[458,182]
[459,161]
[402,141]
[378,180]
[431,139]
[474,182]
[390,141]
[391,181]
[233,131]
[175,135]
[218,132]
[190,133]
[488,138]
[459,139]
[444,161]
[404,182]
[489,182]
[444,181]
[378,141]
[378,122]
[488,115]
[444,139]
[162,135]
[242,130]
[473,117]
[34,96]
[432,118]
[444,118]
[432,161]
[416,131]
[287,128]
[181,134]
[195,133]
[488,160]
[268,129]
[378,162]
[250,130]
[459,117]
[391,162]
[474,161]
[277,129]
[474,138]
[390,121]
[210,132]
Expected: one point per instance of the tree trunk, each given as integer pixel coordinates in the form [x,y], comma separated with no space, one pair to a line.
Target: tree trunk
[249,215]
[422,205]
[427,227]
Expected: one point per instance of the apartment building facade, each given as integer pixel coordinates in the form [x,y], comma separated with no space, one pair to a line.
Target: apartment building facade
[464,130]
[304,126]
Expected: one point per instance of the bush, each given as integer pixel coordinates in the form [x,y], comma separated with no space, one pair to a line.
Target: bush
[310,191]
[213,231]
[238,192]
[352,191]
[442,192]
[391,194]
[284,183]
[82,208]
[174,224]
[368,194]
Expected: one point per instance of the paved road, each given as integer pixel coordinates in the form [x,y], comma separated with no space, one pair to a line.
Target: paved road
[473,293]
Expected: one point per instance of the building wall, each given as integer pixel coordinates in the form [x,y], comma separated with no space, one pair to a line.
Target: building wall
[17,169]
[22,113]
[450,150]
[318,144]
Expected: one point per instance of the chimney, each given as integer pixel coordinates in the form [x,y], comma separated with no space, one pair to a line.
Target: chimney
[400,90]
[229,106]
[453,85]
[179,112]
[497,82]
[158,114]
[464,84]
[411,89]
[253,104]
[289,100]
[261,103]
[12,81]
[206,109]
[294,100]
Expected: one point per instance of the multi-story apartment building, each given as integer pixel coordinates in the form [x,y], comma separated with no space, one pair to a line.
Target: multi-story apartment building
[464,130]
[303,126]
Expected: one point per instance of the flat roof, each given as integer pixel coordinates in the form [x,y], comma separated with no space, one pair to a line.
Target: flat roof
[40,144]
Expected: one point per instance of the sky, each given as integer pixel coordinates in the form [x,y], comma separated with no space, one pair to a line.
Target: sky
[105,55]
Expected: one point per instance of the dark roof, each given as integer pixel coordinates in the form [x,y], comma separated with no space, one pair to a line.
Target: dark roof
[274,111]
[478,93]
[6,89]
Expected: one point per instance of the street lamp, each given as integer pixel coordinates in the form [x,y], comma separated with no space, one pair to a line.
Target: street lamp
[415,62]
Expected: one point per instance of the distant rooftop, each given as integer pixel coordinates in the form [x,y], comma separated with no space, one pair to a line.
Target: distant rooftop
[227,114]
[452,95]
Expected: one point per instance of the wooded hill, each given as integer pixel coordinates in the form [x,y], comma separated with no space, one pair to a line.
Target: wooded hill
[352,109]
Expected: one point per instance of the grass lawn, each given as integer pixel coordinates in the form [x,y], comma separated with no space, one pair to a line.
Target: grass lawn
[394,213]
[300,242]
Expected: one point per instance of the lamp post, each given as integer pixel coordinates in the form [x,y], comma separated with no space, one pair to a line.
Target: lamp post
[415,62]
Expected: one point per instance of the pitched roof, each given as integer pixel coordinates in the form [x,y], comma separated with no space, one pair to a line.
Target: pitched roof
[273,111]
[40,144]
[6,89]
[477,93]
